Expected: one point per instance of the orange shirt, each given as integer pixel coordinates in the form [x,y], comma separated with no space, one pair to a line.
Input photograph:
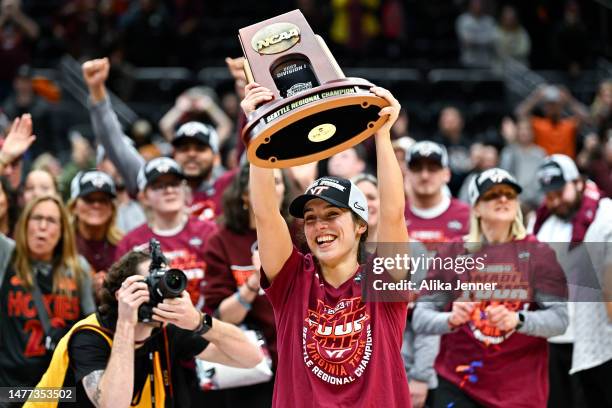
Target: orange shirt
[559,137]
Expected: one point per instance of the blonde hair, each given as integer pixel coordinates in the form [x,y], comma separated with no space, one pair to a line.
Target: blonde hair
[113,233]
[474,237]
[66,263]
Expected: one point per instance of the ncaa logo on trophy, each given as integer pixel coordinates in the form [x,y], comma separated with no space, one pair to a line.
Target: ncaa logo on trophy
[316,111]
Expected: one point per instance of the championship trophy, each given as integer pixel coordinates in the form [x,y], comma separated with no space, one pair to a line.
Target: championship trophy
[316,111]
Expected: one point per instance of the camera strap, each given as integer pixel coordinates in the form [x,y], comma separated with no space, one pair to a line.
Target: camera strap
[43,316]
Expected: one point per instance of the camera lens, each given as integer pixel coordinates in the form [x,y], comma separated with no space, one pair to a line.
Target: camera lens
[173,283]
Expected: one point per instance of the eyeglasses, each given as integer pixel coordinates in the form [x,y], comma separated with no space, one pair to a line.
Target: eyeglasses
[494,195]
[163,185]
[49,220]
[419,166]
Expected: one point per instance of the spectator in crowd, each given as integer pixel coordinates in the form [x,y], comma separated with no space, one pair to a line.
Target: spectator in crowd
[450,135]
[368,184]
[130,214]
[18,32]
[94,220]
[483,157]
[482,335]
[38,183]
[196,104]
[25,100]
[576,211]
[348,163]
[432,217]
[511,39]
[553,132]
[431,214]
[196,145]
[571,41]
[476,33]
[522,158]
[232,289]
[8,208]
[43,261]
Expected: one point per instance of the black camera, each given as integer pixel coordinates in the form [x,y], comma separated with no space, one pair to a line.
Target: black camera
[163,283]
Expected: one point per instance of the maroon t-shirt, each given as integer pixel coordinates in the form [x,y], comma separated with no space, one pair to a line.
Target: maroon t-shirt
[99,254]
[229,264]
[184,250]
[207,204]
[452,223]
[514,371]
[334,350]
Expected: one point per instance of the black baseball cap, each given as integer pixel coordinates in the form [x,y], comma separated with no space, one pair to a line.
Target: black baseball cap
[483,182]
[337,191]
[427,150]
[197,131]
[91,181]
[156,168]
[556,171]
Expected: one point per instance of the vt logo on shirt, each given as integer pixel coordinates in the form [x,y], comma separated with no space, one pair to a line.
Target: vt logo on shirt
[337,341]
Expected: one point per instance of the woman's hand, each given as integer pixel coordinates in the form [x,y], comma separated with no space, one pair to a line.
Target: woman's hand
[255,96]
[392,110]
[501,317]
[19,139]
[461,313]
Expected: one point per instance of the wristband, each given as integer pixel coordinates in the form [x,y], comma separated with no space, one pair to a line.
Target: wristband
[250,288]
[242,301]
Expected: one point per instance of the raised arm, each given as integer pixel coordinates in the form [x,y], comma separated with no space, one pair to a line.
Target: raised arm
[524,109]
[17,142]
[114,386]
[106,125]
[273,235]
[391,224]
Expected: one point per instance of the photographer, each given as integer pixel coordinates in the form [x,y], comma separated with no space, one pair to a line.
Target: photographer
[118,360]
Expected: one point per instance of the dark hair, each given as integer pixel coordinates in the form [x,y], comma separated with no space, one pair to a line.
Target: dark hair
[235,216]
[118,272]
[362,254]
[12,210]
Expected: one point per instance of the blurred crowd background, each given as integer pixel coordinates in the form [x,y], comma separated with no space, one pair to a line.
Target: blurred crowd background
[460,69]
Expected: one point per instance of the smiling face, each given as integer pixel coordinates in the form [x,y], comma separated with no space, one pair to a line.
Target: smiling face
[196,158]
[166,194]
[499,204]
[44,230]
[95,209]
[331,233]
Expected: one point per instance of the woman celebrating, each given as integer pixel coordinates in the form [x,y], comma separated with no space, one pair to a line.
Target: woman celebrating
[44,265]
[94,213]
[334,349]
[232,289]
[493,350]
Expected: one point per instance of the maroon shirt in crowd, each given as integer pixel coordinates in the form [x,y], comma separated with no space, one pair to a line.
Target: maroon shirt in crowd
[99,254]
[452,223]
[184,250]
[228,258]
[334,350]
[514,371]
